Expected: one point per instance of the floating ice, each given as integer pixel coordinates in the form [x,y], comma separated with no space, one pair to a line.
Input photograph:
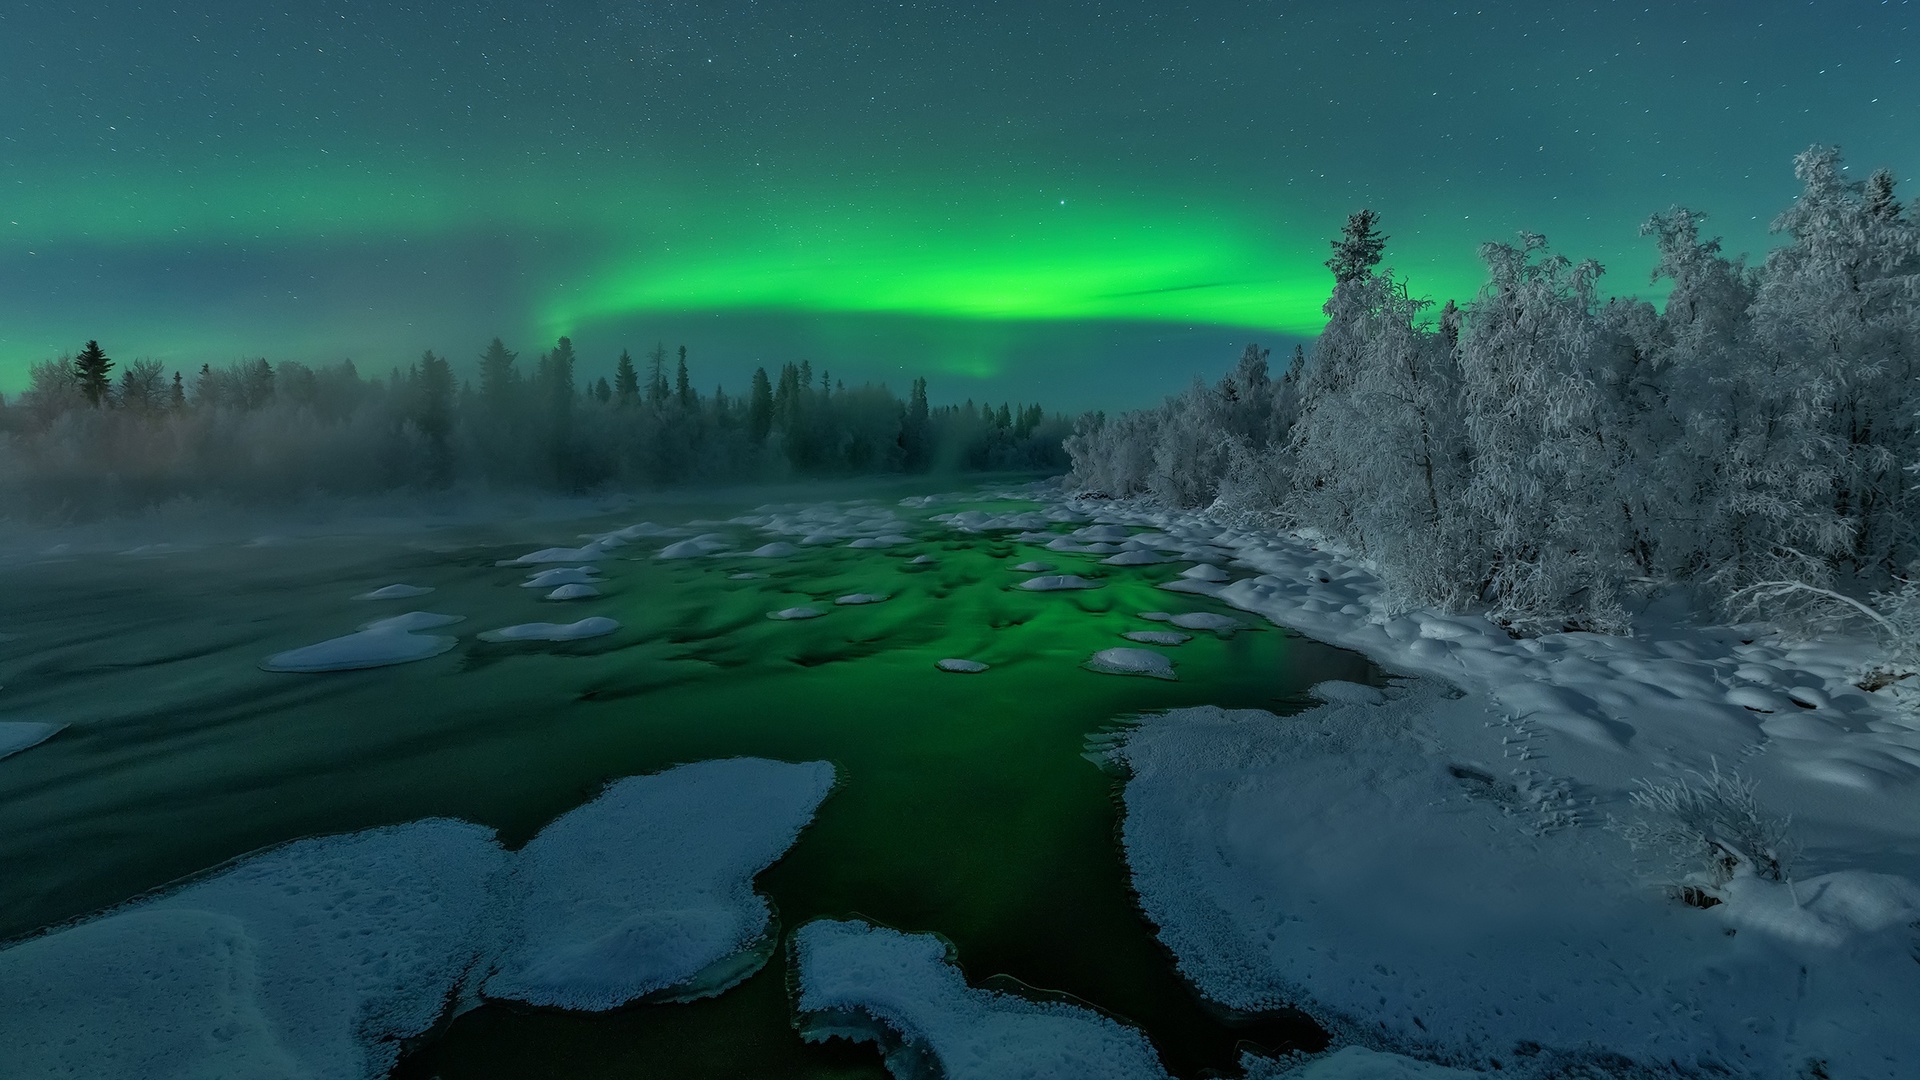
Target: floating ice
[309,962]
[1102,533]
[861,598]
[378,644]
[649,886]
[1124,661]
[861,981]
[1158,637]
[961,667]
[395,592]
[704,544]
[647,528]
[921,560]
[574,592]
[567,575]
[1075,547]
[595,626]
[1156,616]
[796,613]
[1032,567]
[1207,620]
[779,549]
[18,735]
[745,575]
[596,550]
[884,541]
[1057,583]
[1205,572]
[1135,557]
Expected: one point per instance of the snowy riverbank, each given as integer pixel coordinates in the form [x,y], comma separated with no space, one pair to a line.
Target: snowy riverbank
[1436,873]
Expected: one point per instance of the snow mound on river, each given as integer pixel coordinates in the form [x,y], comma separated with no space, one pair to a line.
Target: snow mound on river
[1124,661]
[576,591]
[18,735]
[649,886]
[377,644]
[961,667]
[563,575]
[1057,583]
[792,613]
[312,960]
[591,627]
[315,960]
[864,982]
[395,592]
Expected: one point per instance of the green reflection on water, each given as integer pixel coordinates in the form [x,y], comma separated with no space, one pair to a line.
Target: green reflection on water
[964,804]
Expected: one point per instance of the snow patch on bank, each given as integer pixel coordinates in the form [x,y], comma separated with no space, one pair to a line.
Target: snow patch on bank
[18,735]
[872,984]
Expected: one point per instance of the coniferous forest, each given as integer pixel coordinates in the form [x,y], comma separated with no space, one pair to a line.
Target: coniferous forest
[1550,452]
[92,436]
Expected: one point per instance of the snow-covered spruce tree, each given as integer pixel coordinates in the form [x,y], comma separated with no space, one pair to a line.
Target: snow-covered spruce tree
[1543,477]
[1378,452]
[1112,456]
[1836,324]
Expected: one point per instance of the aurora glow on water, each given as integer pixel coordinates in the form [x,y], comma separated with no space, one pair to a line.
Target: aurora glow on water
[964,805]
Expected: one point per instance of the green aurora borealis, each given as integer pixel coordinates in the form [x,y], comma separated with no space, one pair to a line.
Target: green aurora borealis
[1086,203]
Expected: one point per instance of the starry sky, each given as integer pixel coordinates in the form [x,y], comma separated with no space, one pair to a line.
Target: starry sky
[1085,203]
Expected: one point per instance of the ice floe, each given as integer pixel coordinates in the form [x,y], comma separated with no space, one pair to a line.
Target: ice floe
[745,575]
[1158,637]
[649,886]
[693,548]
[885,540]
[1057,583]
[1135,557]
[18,735]
[921,560]
[854,599]
[564,575]
[785,614]
[377,644]
[1205,572]
[309,962]
[779,549]
[1124,661]
[961,667]
[1032,567]
[869,983]
[395,592]
[1207,620]
[599,549]
[577,591]
[592,627]
[317,959]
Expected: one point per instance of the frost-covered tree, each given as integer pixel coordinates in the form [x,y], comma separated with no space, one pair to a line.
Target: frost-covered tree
[1358,250]
[626,382]
[142,386]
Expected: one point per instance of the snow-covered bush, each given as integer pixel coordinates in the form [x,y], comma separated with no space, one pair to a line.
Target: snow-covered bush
[1710,827]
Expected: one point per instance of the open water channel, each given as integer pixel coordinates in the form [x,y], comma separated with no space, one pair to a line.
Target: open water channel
[964,805]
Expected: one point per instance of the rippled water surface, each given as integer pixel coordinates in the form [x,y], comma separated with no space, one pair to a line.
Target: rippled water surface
[964,806]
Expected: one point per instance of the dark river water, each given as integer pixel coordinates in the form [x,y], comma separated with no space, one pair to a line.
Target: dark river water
[964,806]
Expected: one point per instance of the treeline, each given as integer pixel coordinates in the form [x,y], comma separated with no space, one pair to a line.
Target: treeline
[84,439]
[1547,452]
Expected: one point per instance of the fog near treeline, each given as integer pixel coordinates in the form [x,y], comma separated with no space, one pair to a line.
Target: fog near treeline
[92,436]
[1552,455]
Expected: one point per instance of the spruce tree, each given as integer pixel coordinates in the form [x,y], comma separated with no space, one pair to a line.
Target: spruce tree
[626,381]
[657,375]
[760,407]
[177,399]
[499,382]
[90,370]
[682,386]
[602,392]
[1358,250]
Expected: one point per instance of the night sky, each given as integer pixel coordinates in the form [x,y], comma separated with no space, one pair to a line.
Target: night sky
[1087,203]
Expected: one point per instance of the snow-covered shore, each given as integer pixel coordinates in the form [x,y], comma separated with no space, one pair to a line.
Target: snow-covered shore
[1436,874]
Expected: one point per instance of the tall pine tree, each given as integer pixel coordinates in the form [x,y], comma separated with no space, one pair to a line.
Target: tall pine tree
[90,370]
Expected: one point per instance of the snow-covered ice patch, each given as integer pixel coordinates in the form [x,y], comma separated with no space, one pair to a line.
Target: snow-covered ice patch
[591,552]
[1341,692]
[395,592]
[787,614]
[1205,572]
[18,735]
[1135,557]
[592,627]
[1123,661]
[854,599]
[961,667]
[1032,567]
[649,887]
[378,644]
[704,544]
[1158,637]
[576,591]
[745,575]
[1057,583]
[921,560]
[871,984]
[1207,620]
[563,575]
[779,549]
[309,962]
[886,540]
